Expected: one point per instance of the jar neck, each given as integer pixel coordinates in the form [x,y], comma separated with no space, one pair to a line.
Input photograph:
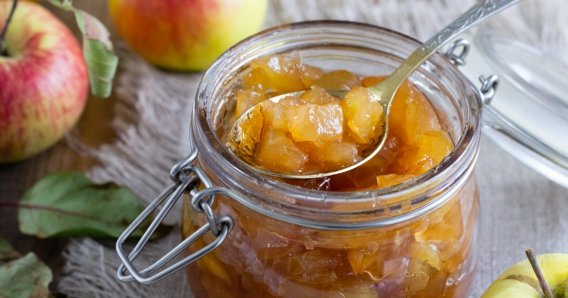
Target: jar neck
[333,210]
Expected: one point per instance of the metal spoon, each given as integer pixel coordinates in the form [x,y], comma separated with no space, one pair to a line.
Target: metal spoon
[242,142]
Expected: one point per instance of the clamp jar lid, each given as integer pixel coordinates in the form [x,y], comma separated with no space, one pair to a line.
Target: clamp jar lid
[528,117]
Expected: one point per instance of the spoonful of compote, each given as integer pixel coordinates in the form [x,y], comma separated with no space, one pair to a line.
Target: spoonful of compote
[371,105]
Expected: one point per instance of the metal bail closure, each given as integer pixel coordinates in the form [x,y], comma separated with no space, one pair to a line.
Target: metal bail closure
[457,51]
[186,179]
[488,87]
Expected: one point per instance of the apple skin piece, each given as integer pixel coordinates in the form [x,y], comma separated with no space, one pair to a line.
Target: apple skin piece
[554,268]
[185,34]
[43,81]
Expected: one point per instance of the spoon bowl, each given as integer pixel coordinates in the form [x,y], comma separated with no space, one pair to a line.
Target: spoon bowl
[242,140]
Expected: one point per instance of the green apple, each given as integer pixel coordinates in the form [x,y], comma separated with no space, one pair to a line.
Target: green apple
[520,281]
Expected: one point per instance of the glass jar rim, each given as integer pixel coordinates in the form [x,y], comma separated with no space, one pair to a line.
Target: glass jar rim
[458,163]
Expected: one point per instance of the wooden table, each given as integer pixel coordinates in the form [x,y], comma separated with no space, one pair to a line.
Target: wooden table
[93,129]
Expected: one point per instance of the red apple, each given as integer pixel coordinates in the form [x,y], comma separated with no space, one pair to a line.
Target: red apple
[43,81]
[185,34]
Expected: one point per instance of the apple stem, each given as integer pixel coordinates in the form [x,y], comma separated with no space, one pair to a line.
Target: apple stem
[3,51]
[536,268]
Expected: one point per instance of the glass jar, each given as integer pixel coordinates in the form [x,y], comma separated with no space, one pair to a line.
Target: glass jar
[414,239]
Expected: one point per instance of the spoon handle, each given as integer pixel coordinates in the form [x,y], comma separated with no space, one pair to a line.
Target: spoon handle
[475,14]
[472,16]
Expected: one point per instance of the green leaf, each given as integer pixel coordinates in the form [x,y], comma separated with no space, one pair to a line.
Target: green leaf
[25,277]
[63,4]
[70,204]
[97,49]
[102,66]
[6,251]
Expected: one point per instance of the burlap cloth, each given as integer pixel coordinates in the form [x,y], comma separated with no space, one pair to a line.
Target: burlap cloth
[519,208]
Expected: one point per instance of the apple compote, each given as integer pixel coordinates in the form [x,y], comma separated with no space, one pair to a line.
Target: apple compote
[317,132]
[427,256]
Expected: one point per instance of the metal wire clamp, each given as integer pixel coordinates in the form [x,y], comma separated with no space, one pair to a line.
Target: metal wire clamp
[187,178]
[457,53]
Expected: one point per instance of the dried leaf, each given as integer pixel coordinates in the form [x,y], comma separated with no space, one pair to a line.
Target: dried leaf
[70,204]
[25,277]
